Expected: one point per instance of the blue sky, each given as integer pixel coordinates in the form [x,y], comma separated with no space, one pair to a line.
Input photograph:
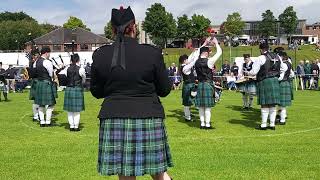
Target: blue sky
[96,13]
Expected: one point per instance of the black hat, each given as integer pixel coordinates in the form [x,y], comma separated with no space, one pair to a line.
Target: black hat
[35,52]
[204,49]
[263,46]
[120,19]
[246,55]
[75,58]
[182,58]
[0,63]
[277,50]
[45,49]
[121,16]
[283,54]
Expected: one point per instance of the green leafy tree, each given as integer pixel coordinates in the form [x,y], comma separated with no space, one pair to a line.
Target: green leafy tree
[184,27]
[288,21]
[199,27]
[46,27]
[267,27]
[14,34]
[160,24]
[108,31]
[15,16]
[234,25]
[74,22]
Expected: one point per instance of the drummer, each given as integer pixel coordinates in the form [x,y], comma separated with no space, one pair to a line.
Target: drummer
[247,87]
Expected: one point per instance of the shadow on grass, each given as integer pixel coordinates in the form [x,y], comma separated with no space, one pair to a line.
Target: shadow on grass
[250,119]
[66,125]
[179,115]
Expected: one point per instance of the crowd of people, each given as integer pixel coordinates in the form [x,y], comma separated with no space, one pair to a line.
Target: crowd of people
[308,74]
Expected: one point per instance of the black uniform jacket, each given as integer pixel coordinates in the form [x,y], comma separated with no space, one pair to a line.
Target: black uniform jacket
[132,92]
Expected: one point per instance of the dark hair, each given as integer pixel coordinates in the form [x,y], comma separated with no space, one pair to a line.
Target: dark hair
[45,49]
[127,30]
[264,46]
[75,58]
[182,58]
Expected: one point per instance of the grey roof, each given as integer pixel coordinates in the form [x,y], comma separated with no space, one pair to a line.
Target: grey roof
[64,35]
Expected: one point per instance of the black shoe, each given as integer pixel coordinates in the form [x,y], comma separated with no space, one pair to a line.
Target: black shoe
[42,125]
[71,129]
[209,128]
[282,123]
[261,128]
[35,120]
[202,127]
[48,125]
[187,120]
[272,128]
[76,129]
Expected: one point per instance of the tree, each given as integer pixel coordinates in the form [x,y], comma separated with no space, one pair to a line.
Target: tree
[184,26]
[288,21]
[15,16]
[74,22]
[108,31]
[267,27]
[234,25]
[14,34]
[199,27]
[46,27]
[160,24]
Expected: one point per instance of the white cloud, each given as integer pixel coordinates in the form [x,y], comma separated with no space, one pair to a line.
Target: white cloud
[95,13]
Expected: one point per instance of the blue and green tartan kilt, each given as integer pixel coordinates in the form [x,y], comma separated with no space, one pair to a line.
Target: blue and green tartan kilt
[285,93]
[268,92]
[3,87]
[55,90]
[248,87]
[33,85]
[187,99]
[133,147]
[73,99]
[44,93]
[205,95]
[291,84]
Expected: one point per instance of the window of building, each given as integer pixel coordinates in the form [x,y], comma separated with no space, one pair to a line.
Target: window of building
[84,47]
[56,47]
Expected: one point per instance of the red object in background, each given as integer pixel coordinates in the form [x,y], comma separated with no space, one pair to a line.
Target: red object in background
[211,30]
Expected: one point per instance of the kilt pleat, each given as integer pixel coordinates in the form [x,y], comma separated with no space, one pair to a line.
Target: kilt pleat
[33,90]
[133,147]
[285,93]
[74,99]
[205,95]
[187,100]
[3,87]
[268,92]
[44,93]
[248,87]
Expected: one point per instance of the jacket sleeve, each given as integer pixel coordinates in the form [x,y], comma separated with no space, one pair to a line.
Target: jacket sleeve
[96,82]
[162,83]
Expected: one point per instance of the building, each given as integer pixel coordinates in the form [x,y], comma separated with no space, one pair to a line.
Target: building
[313,29]
[143,37]
[64,40]
[251,30]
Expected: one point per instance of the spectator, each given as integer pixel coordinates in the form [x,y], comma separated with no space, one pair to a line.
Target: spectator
[235,69]
[301,74]
[11,72]
[225,68]
[172,69]
[2,71]
[88,70]
[231,82]
[315,76]
[307,71]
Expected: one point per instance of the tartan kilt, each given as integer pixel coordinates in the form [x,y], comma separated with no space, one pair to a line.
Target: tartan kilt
[55,90]
[291,85]
[285,93]
[133,147]
[33,89]
[187,100]
[248,87]
[268,91]
[205,95]
[44,93]
[73,99]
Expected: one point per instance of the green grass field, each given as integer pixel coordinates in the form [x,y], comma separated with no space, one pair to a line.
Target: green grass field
[234,150]
[305,52]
